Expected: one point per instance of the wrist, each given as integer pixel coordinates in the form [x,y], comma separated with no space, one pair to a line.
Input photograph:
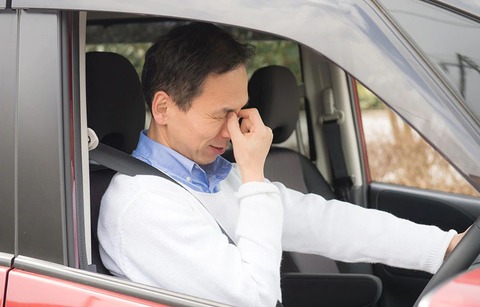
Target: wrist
[255,176]
[453,244]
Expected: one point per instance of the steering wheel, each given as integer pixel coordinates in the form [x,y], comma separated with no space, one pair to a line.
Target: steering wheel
[459,260]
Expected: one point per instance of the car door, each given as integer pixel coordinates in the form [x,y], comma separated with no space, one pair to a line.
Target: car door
[43,257]
[404,169]
[407,177]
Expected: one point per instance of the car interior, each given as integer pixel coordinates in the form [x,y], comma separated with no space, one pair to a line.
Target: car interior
[125,113]
[116,113]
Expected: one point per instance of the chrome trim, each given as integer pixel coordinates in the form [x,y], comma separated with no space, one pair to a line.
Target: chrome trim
[109,283]
[6,259]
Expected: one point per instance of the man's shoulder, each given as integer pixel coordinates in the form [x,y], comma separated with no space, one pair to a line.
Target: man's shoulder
[143,195]
[124,188]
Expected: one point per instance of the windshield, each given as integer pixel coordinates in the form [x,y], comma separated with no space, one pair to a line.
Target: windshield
[469,6]
[450,41]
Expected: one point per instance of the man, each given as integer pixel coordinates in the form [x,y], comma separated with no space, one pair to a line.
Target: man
[155,232]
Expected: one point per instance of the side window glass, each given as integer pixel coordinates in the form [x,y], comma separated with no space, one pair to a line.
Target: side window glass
[397,154]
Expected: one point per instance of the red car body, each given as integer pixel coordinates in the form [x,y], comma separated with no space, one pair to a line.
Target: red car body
[463,290]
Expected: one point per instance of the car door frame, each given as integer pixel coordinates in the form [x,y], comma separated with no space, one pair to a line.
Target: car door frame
[446,210]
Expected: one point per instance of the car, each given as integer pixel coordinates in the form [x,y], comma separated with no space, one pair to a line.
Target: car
[460,291]
[397,81]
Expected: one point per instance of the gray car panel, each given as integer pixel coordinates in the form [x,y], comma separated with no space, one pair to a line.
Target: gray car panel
[41,199]
[8,56]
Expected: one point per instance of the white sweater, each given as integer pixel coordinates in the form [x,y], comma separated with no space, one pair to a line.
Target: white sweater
[153,231]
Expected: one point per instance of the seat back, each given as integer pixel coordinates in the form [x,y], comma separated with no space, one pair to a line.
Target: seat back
[274,91]
[116,112]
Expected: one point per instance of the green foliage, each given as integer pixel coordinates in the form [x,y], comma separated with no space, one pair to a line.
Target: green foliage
[135,52]
[368,100]
[274,52]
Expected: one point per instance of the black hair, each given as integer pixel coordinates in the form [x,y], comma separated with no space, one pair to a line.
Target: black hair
[180,61]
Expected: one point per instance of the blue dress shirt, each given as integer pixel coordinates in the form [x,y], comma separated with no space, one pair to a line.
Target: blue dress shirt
[204,178]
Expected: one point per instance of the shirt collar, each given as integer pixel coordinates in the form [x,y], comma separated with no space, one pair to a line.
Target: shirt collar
[202,179]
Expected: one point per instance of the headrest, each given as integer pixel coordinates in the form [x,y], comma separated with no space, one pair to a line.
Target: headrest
[274,91]
[115,104]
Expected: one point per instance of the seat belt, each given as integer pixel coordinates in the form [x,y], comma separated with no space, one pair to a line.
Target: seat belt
[126,164]
[341,181]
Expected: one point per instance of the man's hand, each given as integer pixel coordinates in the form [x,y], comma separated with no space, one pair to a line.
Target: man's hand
[251,142]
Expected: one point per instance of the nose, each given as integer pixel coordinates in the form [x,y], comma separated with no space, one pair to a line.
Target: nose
[224,133]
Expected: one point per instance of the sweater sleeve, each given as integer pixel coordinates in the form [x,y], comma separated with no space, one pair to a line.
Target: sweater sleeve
[167,239]
[350,233]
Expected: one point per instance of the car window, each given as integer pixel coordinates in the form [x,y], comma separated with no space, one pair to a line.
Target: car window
[398,154]
[132,39]
[449,40]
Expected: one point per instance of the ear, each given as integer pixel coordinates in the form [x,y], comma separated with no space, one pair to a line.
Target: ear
[160,107]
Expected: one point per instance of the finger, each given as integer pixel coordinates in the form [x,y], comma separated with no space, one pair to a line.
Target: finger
[251,114]
[247,116]
[233,127]
[246,125]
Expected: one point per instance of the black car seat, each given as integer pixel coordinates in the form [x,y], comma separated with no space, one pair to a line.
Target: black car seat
[306,279]
[116,112]
[274,91]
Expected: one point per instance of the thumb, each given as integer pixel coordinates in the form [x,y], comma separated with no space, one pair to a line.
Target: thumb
[233,126]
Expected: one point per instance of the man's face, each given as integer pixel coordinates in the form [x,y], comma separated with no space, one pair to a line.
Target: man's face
[201,134]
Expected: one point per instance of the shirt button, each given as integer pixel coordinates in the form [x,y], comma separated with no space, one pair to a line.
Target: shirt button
[188,179]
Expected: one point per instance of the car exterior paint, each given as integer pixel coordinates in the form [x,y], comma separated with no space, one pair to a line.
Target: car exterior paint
[47,291]
[462,290]
[3,279]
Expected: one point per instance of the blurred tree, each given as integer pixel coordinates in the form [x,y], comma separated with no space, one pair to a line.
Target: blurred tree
[274,52]
[135,52]
[368,101]
[397,154]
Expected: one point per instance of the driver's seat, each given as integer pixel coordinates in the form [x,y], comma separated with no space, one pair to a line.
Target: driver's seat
[307,280]
[274,91]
